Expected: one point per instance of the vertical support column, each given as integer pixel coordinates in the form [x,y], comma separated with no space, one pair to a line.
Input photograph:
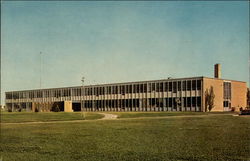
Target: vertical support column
[172,100]
[155,101]
[119,97]
[146,108]
[167,100]
[163,97]
[150,99]
[132,94]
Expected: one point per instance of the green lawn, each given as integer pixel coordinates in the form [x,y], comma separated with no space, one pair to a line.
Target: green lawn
[214,137]
[47,116]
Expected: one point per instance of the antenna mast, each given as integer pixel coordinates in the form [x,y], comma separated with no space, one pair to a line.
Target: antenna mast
[40,70]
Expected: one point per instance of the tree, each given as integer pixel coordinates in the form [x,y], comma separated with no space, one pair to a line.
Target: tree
[209,99]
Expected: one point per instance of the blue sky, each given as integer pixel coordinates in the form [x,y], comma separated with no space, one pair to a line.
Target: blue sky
[121,41]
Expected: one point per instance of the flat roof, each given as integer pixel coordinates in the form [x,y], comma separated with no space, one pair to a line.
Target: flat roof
[125,83]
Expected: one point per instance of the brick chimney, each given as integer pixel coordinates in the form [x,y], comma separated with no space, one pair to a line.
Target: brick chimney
[217,71]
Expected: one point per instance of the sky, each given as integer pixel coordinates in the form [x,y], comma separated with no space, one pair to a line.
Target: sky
[109,42]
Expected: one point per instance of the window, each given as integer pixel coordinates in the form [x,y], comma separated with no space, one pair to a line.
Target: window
[153,87]
[113,89]
[175,87]
[188,101]
[166,86]
[130,88]
[193,101]
[170,86]
[31,94]
[161,87]
[134,88]
[122,90]
[116,89]
[184,83]
[39,94]
[96,91]
[79,93]
[149,87]
[179,85]
[188,85]
[185,102]
[109,89]
[227,90]
[90,91]
[198,101]
[103,90]
[198,84]
[145,88]
[170,103]
[193,84]
[166,101]
[8,96]
[141,88]
[157,87]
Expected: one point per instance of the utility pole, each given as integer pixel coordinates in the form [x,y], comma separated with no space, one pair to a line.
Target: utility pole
[41,81]
[40,70]
[82,81]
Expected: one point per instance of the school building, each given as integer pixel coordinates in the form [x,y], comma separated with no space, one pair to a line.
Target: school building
[182,94]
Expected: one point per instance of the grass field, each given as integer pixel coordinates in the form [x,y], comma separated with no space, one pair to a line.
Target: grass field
[8,117]
[208,137]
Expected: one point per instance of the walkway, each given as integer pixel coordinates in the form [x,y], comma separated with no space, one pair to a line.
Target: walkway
[108,116]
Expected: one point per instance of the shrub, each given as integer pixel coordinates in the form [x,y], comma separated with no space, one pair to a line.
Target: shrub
[36,110]
[9,110]
[56,108]
[233,109]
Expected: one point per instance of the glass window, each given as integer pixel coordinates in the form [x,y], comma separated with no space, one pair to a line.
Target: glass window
[170,86]
[188,101]
[130,89]
[149,87]
[227,90]
[141,88]
[161,87]
[179,85]
[198,84]
[189,85]
[145,88]
[193,84]
[166,86]
[174,86]
[184,85]
[153,86]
